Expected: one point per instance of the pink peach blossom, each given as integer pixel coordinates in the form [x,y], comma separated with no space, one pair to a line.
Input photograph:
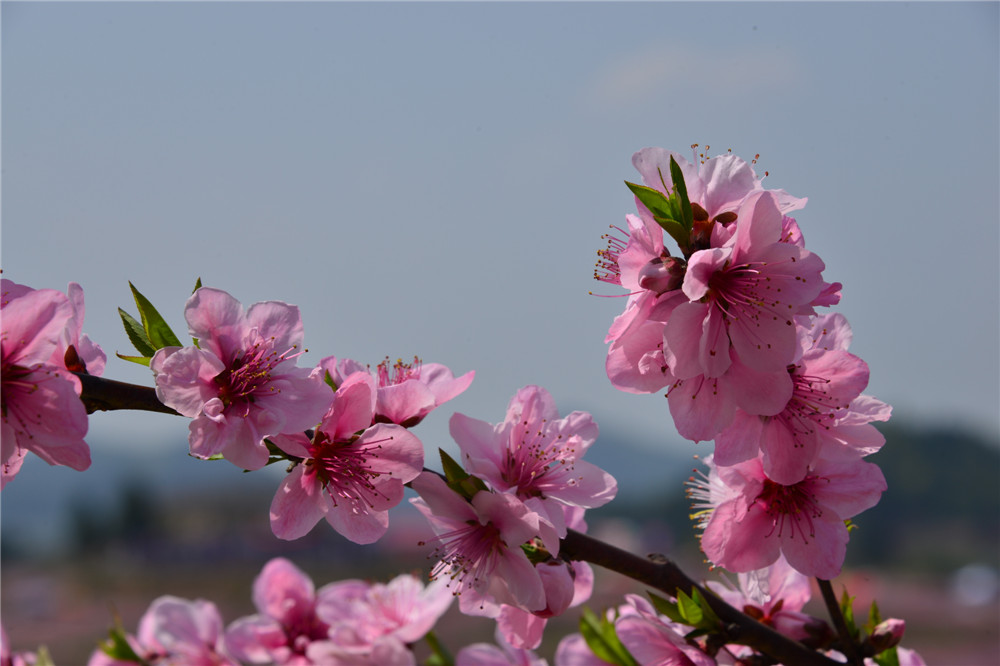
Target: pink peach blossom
[351,472]
[240,384]
[40,403]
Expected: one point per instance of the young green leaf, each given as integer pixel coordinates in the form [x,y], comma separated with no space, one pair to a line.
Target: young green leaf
[137,334]
[666,607]
[709,619]
[847,609]
[197,285]
[874,618]
[599,633]
[141,360]
[680,191]
[689,608]
[666,211]
[155,326]
[888,657]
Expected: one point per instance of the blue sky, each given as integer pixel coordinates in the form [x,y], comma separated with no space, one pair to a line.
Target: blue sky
[433,179]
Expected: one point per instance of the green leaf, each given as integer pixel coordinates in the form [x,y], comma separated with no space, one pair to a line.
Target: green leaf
[689,608]
[155,326]
[453,472]
[117,646]
[329,380]
[197,285]
[141,360]
[43,657]
[137,334]
[667,212]
[887,657]
[874,618]
[847,609]
[439,653]
[680,190]
[709,619]
[599,633]
[666,607]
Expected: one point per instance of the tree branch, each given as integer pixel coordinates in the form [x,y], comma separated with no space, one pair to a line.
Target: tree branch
[100,394]
[667,577]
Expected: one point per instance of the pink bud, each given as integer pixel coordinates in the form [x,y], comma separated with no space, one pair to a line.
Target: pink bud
[887,634]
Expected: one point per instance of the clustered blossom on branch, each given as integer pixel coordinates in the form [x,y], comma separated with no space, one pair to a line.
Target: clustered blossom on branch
[727,325]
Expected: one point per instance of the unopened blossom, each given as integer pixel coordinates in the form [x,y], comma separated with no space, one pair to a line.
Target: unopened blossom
[478,543]
[39,402]
[406,392]
[240,384]
[824,414]
[758,519]
[176,632]
[286,622]
[537,455]
[351,472]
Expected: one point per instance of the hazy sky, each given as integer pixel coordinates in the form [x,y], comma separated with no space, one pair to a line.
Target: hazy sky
[434,179]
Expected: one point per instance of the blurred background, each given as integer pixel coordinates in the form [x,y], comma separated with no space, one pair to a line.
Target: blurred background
[433,180]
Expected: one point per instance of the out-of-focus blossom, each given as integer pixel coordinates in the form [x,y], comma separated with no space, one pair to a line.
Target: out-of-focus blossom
[240,384]
[501,654]
[176,632]
[653,639]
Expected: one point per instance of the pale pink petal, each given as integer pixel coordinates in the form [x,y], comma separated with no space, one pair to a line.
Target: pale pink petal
[298,505]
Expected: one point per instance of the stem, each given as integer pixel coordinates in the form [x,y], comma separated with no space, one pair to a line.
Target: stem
[667,577]
[100,394]
[849,647]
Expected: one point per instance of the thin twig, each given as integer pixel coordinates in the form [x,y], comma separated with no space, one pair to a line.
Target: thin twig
[848,645]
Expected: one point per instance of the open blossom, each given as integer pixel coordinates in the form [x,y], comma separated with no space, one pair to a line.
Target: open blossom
[753,519]
[176,632]
[773,596]
[286,622]
[824,415]
[478,543]
[373,622]
[39,401]
[350,479]
[536,455]
[406,392]
[240,384]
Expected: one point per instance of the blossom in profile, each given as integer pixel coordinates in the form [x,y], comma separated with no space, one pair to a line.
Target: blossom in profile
[478,544]
[757,519]
[39,401]
[501,654]
[350,472]
[240,384]
[406,392]
[175,632]
[773,596]
[536,455]
[653,639]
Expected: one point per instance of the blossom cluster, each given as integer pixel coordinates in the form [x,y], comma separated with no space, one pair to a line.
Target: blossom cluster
[729,326]
[498,522]
[351,622]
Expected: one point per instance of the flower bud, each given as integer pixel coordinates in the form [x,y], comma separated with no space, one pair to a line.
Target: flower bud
[887,634]
[662,274]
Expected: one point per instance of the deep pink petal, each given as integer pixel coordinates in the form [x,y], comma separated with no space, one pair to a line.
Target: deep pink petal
[298,504]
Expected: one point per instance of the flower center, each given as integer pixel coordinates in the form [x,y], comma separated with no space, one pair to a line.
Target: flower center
[345,469]
[250,371]
[532,456]
[398,372]
[791,508]
[468,555]
[811,406]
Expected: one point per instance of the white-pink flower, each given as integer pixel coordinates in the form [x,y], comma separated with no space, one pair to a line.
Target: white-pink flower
[240,384]
[406,392]
[39,401]
[536,455]
[351,472]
